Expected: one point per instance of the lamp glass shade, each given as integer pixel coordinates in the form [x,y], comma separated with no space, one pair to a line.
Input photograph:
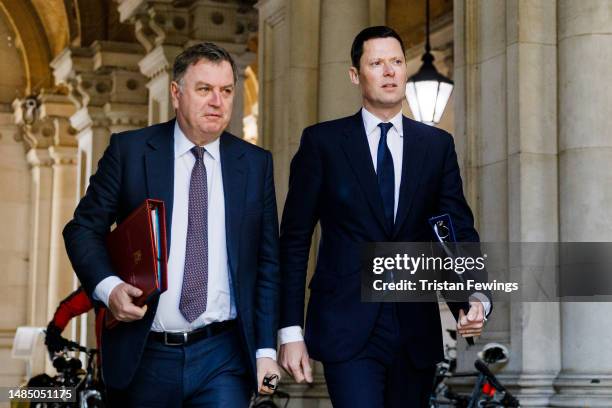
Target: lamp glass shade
[428,98]
[444,92]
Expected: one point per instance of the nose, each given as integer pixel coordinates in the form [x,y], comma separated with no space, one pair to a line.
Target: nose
[215,98]
[388,70]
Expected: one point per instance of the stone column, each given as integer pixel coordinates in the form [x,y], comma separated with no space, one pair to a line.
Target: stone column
[585,148]
[16,180]
[40,162]
[531,56]
[341,20]
[481,134]
[36,135]
[506,133]
[43,121]
[61,276]
[236,125]
[274,47]
[288,78]
[40,189]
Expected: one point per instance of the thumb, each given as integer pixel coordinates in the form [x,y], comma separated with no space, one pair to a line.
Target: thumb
[462,319]
[307,368]
[472,313]
[133,291]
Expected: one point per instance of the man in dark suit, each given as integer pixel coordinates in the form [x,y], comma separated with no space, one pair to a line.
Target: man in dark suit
[375,176]
[210,339]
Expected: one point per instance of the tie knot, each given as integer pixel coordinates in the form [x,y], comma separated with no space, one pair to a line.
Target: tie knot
[198,152]
[384,127]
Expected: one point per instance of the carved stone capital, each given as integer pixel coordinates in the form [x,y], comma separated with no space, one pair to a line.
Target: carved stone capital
[230,21]
[128,9]
[39,158]
[126,116]
[63,155]
[159,60]
[66,66]
[94,87]
[157,22]
[43,120]
[105,71]
[169,23]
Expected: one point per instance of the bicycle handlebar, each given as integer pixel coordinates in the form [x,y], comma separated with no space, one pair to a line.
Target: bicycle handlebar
[482,368]
[74,346]
[509,399]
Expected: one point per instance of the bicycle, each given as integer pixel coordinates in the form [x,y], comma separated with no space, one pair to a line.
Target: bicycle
[86,383]
[488,392]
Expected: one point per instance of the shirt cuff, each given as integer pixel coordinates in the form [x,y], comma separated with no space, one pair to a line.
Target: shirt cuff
[266,352]
[484,300]
[105,287]
[290,334]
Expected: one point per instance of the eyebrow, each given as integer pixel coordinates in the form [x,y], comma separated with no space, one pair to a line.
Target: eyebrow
[382,58]
[200,83]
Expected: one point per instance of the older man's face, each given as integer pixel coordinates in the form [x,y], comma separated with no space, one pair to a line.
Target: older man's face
[203,100]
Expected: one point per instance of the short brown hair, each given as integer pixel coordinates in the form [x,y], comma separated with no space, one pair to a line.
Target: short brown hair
[369,34]
[206,50]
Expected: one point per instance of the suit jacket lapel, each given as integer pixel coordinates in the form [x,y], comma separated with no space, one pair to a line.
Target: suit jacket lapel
[413,158]
[357,150]
[234,172]
[159,165]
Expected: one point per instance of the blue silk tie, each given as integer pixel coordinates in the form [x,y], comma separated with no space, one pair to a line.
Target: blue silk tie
[385,174]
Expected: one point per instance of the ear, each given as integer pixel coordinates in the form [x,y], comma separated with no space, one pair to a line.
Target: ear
[354,75]
[175,90]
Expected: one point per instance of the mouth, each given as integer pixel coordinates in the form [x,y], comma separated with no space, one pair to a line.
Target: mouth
[213,115]
[389,86]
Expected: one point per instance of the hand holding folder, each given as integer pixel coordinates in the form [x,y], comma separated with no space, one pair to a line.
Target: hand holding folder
[444,232]
[137,249]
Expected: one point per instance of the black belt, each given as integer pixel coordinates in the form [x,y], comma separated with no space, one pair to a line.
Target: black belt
[183,338]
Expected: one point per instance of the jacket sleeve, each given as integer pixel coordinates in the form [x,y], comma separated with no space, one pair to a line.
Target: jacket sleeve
[84,235]
[268,276]
[300,216]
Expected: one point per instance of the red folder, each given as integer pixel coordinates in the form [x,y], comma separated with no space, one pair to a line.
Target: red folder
[137,249]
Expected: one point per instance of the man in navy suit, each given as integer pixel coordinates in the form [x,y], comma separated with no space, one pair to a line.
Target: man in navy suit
[376,176]
[210,339]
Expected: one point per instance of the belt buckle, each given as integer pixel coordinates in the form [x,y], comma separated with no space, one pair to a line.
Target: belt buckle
[169,343]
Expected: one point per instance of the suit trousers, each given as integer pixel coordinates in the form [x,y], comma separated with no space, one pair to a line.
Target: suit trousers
[381,375]
[212,372]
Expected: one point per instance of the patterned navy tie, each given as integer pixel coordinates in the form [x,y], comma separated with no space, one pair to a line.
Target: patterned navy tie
[195,278]
[385,174]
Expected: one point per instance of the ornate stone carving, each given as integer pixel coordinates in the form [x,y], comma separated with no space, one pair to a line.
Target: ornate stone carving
[157,22]
[102,74]
[43,120]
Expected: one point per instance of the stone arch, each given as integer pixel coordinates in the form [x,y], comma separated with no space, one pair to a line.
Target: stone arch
[31,40]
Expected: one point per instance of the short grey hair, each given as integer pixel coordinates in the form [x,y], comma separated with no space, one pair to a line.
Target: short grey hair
[192,55]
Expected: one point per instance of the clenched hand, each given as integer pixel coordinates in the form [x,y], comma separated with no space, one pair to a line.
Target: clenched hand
[121,303]
[471,324]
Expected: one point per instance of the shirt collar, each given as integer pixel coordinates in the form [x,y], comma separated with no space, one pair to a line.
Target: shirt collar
[183,145]
[370,122]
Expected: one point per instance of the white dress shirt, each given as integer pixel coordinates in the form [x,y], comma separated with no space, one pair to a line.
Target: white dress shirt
[220,304]
[395,142]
